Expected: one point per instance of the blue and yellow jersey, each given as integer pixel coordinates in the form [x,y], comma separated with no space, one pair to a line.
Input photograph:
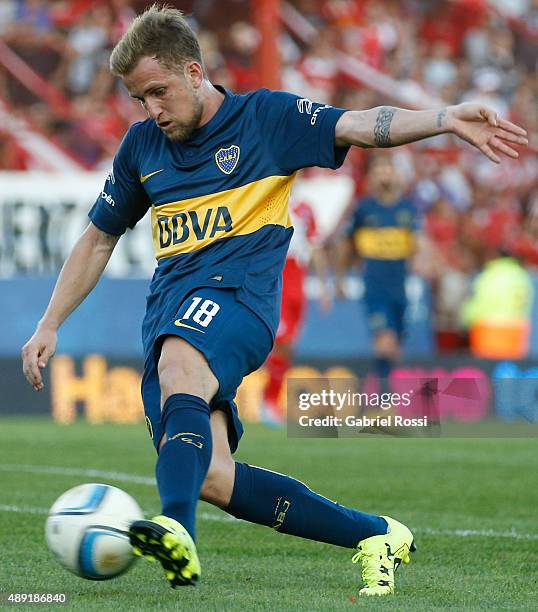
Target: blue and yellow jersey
[384,237]
[219,200]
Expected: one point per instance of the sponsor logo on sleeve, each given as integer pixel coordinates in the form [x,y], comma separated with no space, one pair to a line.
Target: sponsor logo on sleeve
[108,198]
[304,105]
[316,113]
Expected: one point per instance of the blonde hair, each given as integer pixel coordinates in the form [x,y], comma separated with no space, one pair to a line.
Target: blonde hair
[161,32]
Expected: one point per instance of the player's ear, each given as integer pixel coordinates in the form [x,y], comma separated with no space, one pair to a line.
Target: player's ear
[193,73]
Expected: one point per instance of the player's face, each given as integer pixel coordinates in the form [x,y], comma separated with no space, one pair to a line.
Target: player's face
[170,97]
[382,176]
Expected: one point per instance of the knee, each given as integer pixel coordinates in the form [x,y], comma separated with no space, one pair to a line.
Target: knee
[173,376]
[219,481]
[183,369]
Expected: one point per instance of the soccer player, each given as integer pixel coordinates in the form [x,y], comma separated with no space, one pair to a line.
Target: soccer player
[383,232]
[216,170]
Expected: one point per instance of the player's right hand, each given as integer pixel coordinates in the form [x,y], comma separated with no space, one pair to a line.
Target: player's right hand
[36,354]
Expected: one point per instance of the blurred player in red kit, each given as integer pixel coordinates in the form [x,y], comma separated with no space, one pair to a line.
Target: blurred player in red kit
[305,248]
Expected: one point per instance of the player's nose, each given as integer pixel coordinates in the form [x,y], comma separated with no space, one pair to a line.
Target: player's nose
[153,108]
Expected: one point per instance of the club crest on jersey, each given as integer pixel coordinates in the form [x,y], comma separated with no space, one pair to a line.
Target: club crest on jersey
[227,159]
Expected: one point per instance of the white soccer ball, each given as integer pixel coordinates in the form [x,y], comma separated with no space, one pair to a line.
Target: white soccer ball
[87,530]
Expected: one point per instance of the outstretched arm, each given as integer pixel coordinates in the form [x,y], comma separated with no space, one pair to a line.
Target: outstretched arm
[387,126]
[78,277]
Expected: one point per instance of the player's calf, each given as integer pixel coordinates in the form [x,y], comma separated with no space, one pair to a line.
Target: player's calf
[218,485]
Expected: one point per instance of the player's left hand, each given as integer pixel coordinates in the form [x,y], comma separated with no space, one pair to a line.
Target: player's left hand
[481,126]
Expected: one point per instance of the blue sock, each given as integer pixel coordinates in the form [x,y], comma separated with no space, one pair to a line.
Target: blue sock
[289,506]
[184,459]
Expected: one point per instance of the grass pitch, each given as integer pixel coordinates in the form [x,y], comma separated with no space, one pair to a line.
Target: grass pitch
[471,503]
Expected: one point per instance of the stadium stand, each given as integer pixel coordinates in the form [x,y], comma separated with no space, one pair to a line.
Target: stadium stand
[61,103]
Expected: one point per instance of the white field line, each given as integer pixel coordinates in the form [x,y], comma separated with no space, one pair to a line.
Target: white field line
[208,516]
[476,533]
[23,509]
[204,516]
[85,473]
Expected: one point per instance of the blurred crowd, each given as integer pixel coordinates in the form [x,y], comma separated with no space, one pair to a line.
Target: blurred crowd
[451,50]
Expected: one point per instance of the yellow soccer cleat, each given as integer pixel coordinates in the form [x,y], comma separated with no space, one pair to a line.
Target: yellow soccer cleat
[381,556]
[168,542]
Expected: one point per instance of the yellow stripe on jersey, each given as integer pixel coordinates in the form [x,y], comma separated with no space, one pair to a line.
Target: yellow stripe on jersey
[188,225]
[384,242]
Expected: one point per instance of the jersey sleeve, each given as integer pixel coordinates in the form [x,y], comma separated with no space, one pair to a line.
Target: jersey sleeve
[299,133]
[123,201]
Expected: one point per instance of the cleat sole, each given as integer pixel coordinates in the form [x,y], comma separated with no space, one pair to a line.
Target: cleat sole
[156,543]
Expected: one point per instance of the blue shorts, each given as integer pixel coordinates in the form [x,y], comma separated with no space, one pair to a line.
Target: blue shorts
[385,311]
[233,339]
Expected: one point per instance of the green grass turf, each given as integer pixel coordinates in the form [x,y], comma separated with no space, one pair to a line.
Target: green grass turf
[430,484]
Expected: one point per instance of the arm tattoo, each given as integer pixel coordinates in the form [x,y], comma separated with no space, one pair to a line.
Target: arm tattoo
[440,117]
[382,126]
